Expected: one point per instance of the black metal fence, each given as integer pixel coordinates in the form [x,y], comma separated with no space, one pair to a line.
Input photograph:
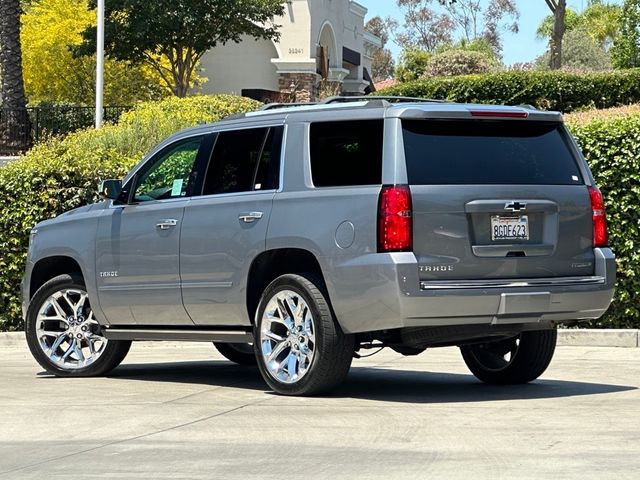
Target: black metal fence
[19,129]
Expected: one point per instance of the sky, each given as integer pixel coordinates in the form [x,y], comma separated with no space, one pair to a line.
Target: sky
[521,47]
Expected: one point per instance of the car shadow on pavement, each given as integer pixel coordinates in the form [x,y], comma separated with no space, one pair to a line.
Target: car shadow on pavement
[413,386]
[214,373]
[380,384]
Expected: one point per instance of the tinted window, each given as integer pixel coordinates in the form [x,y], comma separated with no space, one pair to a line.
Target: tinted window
[268,176]
[244,160]
[169,172]
[488,152]
[346,153]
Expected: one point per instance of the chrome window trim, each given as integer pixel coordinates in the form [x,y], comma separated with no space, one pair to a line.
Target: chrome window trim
[112,205]
[230,194]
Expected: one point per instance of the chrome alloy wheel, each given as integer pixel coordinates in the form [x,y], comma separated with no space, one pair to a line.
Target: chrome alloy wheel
[67,330]
[287,337]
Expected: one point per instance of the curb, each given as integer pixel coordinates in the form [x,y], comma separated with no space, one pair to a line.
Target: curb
[566,338]
[6,160]
[599,338]
[12,339]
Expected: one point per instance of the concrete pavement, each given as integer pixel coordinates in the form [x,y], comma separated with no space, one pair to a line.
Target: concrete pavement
[181,411]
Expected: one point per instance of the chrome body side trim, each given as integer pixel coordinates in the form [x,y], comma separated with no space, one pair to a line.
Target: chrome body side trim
[132,333]
[535,282]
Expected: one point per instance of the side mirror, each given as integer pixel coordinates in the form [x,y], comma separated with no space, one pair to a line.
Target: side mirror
[110,189]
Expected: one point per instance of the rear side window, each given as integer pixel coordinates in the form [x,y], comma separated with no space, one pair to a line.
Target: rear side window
[346,153]
[488,152]
[244,161]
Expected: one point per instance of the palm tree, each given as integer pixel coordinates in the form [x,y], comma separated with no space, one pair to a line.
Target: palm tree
[15,127]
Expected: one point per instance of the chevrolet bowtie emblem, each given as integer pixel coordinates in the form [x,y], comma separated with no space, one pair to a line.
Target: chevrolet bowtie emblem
[515,206]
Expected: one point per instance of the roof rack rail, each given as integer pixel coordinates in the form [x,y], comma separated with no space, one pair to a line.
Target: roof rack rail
[272,106]
[390,99]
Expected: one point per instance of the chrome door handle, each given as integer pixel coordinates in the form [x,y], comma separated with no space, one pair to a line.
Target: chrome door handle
[166,224]
[250,216]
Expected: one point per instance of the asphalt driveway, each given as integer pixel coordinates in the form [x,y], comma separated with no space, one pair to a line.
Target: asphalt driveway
[181,411]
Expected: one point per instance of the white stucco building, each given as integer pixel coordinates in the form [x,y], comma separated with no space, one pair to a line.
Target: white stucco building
[264,69]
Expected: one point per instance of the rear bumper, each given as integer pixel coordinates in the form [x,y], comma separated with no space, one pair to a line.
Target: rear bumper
[388,294]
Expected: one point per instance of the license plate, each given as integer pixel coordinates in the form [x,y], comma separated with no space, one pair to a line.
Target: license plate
[509,228]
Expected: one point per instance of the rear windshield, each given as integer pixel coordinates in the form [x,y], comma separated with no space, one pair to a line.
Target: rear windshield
[488,152]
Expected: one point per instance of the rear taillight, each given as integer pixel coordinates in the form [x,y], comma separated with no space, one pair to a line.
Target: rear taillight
[395,224]
[600,236]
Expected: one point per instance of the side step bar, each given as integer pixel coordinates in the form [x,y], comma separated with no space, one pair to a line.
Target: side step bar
[178,334]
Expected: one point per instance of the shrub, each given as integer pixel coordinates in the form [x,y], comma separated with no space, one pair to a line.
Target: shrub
[461,58]
[612,148]
[413,64]
[64,173]
[591,115]
[457,62]
[547,90]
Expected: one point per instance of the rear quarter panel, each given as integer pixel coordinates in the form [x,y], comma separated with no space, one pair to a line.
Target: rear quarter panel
[338,225]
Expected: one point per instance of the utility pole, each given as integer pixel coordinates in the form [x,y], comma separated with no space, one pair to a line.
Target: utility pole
[100,65]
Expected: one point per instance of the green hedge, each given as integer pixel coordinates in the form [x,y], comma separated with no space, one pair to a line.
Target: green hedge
[64,173]
[612,148]
[561,91]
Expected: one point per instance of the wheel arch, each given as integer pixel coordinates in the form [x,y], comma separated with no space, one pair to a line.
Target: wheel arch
[270,264]
[49,267]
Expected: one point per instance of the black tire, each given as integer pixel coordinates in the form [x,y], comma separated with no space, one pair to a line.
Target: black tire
[408,351]
[114,351]
[530,355]
[240,353]
[333,350]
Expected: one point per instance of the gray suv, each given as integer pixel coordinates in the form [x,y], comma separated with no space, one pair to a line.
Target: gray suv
[296,237]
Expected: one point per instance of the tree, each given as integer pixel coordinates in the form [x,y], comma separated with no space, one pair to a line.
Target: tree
[430,23]
[12,88]
[601,21]
[182,31]
[625,52]
[488,22]
[579,51]
[424,28]
[383,65]
[558,8]
[53,74]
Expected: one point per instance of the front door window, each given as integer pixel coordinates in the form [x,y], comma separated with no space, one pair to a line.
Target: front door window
[169,175]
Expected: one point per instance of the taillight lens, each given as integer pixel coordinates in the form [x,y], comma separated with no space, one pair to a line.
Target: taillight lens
[600,236]
[395,225]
